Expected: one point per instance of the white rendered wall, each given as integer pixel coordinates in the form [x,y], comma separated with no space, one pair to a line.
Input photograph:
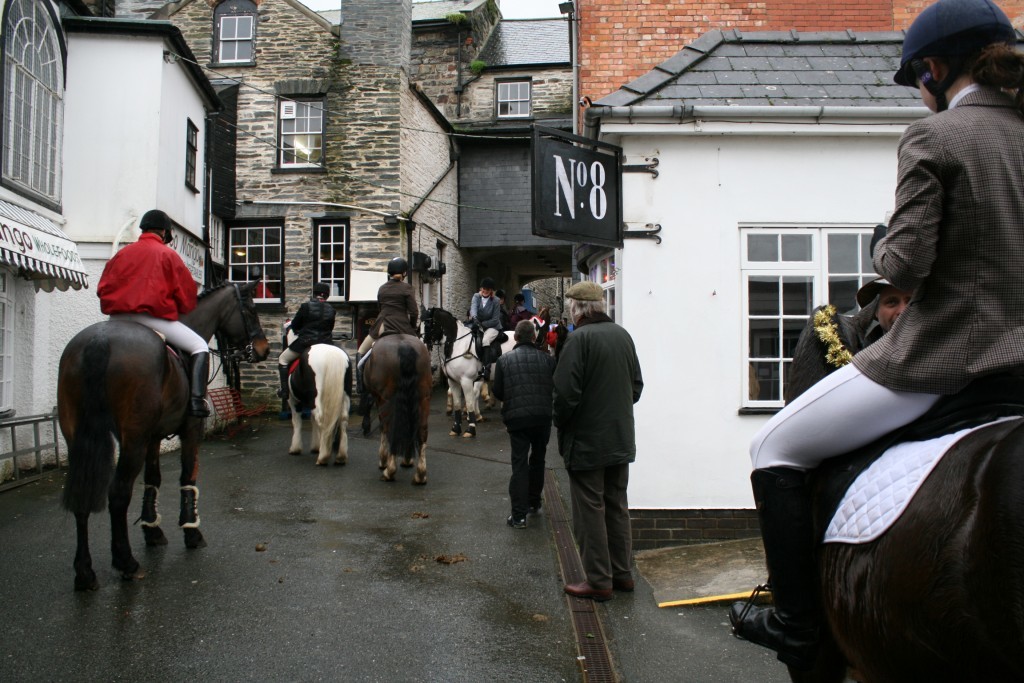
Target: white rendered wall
[112,112]
[681,300]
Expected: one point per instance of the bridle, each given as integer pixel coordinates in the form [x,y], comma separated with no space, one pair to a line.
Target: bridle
[252,331]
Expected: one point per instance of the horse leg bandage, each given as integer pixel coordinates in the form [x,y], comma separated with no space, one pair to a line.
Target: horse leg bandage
[150,514]
[189,517]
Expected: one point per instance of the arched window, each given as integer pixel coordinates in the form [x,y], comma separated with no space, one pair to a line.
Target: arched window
[34,111]
[234,29]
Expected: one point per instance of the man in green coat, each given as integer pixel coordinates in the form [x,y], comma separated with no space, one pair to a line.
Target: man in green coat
[597,381]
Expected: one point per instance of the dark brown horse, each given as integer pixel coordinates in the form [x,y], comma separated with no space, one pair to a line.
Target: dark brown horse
[397,375]
[119,381]
[940,595]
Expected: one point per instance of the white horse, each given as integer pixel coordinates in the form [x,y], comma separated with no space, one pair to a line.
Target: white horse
[321,381]
[461,365]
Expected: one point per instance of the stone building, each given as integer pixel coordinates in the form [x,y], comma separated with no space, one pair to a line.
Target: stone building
[339,163]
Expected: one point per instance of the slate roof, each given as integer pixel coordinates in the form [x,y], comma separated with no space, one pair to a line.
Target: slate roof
[776,68]
[527,42]
[439,9]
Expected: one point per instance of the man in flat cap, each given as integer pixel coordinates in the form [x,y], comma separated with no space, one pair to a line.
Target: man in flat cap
[597,381]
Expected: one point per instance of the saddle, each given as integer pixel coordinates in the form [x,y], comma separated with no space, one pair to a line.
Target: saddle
[982,401]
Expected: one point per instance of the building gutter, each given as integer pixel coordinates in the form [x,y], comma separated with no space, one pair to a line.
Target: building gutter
[593,117]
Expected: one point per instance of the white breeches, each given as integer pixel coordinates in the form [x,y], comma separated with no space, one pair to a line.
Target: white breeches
[490,334]
[177,333]
[843,411]
[287,357]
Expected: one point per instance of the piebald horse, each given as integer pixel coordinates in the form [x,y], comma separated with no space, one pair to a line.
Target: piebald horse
[461,366]
[321,382]
[118,383]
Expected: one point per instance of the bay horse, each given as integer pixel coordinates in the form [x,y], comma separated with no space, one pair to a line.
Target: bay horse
[321,382]
[398,377]
[461,366]
[940,595]
[118,382]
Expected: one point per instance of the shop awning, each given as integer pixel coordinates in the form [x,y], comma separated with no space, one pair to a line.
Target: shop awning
[39,249]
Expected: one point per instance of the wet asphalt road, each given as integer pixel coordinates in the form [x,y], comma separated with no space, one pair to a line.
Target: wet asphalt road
[329,574]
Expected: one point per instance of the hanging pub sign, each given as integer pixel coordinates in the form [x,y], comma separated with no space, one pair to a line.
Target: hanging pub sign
[577,188]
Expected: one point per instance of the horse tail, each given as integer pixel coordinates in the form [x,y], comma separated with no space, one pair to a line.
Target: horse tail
[91,451]
[331,370]
[405,417]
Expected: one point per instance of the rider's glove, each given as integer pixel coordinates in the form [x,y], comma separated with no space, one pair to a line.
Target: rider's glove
[876,237]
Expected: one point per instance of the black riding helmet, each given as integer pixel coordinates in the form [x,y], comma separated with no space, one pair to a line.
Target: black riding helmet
[158,221]
[954,30]
[321,290]
[397,266]
[487,283]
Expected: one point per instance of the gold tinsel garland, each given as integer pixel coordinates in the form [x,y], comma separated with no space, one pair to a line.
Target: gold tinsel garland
[825,327]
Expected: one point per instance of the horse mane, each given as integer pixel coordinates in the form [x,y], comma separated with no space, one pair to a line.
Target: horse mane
[449,325]
[207,292]
[810,356]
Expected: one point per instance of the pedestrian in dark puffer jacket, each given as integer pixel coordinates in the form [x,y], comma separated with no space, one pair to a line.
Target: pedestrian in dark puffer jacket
[523,382]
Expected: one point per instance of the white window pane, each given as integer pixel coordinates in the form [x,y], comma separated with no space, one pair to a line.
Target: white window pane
[797,295]
[763,295]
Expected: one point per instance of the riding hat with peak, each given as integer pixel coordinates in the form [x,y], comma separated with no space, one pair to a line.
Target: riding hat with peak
[157,221]
[397,266]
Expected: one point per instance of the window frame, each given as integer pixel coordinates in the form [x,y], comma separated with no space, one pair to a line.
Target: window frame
[603,271]
[320,265]
[272,271]
[234,10]
[191,154]
[822,278]
[282,104]
[499,100]
[38,174]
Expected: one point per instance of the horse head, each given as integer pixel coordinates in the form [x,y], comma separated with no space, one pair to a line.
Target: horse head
[229,310]
[440,325]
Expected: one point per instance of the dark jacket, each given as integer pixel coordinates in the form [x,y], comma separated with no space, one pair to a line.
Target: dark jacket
[523,382]
[597,381]
[313,324]
[486,312]
[398,312]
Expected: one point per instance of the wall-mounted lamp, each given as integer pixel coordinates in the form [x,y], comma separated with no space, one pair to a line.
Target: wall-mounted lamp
[566,7]
[391,221]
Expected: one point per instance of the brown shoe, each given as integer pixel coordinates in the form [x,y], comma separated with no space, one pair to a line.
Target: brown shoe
[623,585]
[585,590]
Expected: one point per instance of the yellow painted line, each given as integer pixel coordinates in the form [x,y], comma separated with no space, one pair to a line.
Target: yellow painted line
[710,598]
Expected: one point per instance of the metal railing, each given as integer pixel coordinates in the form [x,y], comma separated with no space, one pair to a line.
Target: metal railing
[32,429]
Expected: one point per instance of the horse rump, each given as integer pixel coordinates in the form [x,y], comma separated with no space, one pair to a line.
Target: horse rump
[91,446]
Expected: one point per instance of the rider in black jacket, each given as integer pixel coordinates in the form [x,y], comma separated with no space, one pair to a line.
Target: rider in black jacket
[313,324]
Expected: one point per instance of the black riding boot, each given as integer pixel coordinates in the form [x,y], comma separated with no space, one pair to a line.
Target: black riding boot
[282,374]
[791,626]
[197,406]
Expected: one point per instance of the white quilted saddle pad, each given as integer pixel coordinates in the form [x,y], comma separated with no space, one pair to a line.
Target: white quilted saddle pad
[880,494]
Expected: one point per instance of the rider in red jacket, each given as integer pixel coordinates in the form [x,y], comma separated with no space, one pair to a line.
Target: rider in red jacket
[148,283]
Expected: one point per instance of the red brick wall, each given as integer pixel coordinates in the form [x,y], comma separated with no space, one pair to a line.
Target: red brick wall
[623,39]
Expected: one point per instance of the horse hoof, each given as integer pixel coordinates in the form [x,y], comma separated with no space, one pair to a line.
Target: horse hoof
[87,583]
[320,463]
[194,539]
[419,482]
[453,433]
[136,575]
[386,478]
[406,464]
[154,536]
[339,462]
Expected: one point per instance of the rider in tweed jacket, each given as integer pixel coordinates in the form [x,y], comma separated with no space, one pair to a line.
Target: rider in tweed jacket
[957,240]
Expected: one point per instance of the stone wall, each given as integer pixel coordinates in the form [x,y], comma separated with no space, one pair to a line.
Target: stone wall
[551,93]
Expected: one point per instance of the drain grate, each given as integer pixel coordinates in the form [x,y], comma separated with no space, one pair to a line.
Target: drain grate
[595,660]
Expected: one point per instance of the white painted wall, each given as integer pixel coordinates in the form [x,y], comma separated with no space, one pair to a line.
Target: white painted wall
[112,111]
[681,300]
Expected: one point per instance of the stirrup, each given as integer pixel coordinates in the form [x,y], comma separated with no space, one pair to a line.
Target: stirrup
[747,606]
